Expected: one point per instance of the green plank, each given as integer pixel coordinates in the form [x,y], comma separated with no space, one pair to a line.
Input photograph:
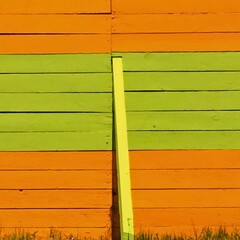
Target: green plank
[153,140]
[55,122]
[55,63]
[83,82]
[55,141]
[204,61]
[54,102]
[156,101]
[209,120]
[175,81]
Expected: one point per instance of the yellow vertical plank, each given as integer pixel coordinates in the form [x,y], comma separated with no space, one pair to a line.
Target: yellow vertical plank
[123,166]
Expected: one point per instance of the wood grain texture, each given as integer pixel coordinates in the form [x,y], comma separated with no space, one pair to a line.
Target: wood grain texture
[53,7]
[171,6]
[57,83]
[200,61]
[185,120]
[185,159]
[177,101]
[82,160]
[56,141]
[176,23]
[184,42]
[180,140]
[55,180]
[55,63]
[55,102]
[181,81]
[61,23]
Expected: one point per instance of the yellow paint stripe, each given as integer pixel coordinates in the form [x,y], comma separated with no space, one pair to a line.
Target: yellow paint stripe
[123,166]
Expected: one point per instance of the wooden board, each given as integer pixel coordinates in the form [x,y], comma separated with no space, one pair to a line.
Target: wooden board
[61,23]
[177,101]
[55,102]
[181,81]
[185,159]
[56,141]
[172,6]
[180,140]
[53,7]
[55,63]
[185,120]
[56,180]
[204,61]
[62,83]
[82,160]
[180,42]
[176,23]
[54,199]
[185,179]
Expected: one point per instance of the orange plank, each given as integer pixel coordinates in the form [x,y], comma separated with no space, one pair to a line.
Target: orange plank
[86,23]
[82,218]
[176,23]
[173,6]
[56,160]
[91,179]
[189,159]
[41,44]
[80,199]
[185,179]
[54,6]
[176,42]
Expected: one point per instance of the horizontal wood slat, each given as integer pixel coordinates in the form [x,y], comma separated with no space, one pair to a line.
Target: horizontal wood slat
[53,7]
[61,83]
[62,23]
[171,6]
[176,23]
[55,63]
[91,179]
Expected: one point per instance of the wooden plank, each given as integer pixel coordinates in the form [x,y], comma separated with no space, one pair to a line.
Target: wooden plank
[55,122]
[53,7]
[56,180]
[60,23]
[185,179]
[219,198]
[37,199]
[82,160]
[184,121]
[178,81]
[177,101]
[185,159]
[55,102]
[180,140]
[56,141]
[204,61]
[176,23]
[171,6]
[184,42]
[57,83]
[90,218]
[55,63]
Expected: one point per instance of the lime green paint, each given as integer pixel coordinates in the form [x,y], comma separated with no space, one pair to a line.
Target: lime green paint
[172,140]
[55,122]
[83,82]
[157,101]
[56,141]
[210,61]
[53,102]
[55,63]
[178,81]
[123,166]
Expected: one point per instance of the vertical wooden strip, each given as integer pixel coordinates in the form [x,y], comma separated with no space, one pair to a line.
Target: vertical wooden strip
[124,183]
